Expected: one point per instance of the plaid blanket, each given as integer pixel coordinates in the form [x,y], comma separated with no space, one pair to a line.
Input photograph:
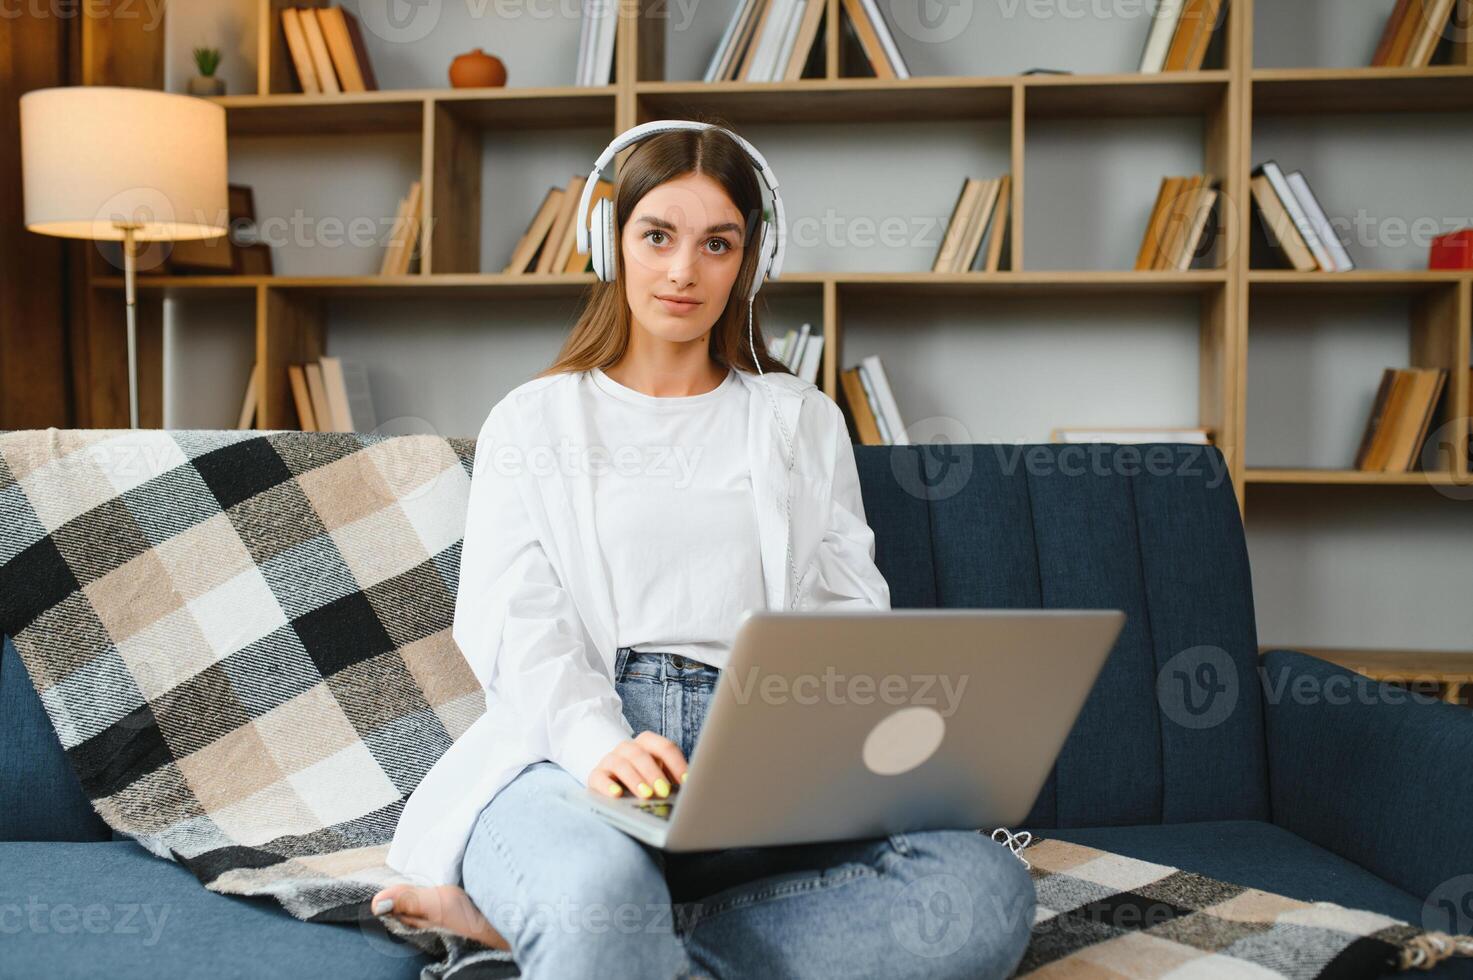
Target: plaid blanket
[1102,914]
[243,642]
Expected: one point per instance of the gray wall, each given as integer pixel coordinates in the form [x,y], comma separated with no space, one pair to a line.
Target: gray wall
[1348,567]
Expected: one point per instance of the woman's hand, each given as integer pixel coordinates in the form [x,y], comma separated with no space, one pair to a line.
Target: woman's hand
[647,765]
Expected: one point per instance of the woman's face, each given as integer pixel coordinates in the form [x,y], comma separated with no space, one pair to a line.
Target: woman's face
[683,241]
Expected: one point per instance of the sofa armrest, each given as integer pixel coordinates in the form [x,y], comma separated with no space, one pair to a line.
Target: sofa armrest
[1374,772]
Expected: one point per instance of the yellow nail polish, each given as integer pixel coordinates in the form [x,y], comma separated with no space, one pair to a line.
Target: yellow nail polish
[662,787]
[644,790]
[614,789]
[684,774]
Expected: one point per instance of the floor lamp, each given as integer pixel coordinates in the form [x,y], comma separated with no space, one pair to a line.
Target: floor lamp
[123,164]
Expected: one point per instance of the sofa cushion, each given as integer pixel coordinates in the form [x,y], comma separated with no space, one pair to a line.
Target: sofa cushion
[1264,856]
[43,799]
[1173,730]
[66,909]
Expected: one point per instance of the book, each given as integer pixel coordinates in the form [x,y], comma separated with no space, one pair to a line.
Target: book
[999,230]
[567,243]
[1201,213]
[1127,435]
[889,410]
[360,401]
[331,369]
[723,65]
[301,54]
[562,223]
[1184,41]
[1158,40]
[317,391]
[1145,258]
[532,238]
[327,78]
[1177,219]
[1340,258]
[866,382]
[1297,214]
[1282,234]
[1388,35]
[869,39]
[297,378]
[956,226]
[247,418]
[977,227]
[803,43]
[1400,419]
[405,234]
[1434,17]
[886,37]
[860,413]
[344,39]
[1452,251]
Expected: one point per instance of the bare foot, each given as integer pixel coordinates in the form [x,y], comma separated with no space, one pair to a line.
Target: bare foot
[443,906]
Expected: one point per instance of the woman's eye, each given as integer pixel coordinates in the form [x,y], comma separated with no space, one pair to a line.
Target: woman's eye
[725,245]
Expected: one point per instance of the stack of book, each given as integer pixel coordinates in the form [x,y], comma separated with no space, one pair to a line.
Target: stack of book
[1181,31]
[404,238]
[326,49]
[1194,436]
[800,349]
[1412,33]
[596,42]
[1294,224]
[1176,233]
[982,205]
[872,406]
[552,236]
[330,396]
[766,41]
[1400,419]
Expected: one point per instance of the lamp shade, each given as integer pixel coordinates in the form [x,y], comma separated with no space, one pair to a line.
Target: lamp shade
[93,156]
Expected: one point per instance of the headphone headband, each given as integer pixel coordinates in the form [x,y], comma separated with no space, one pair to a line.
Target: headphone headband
[636,133]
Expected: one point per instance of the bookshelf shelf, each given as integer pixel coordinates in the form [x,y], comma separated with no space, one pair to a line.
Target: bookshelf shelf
[1358,280]
[1164,94]
[1286,91]
[892,283]
[402,110]
[1266,476]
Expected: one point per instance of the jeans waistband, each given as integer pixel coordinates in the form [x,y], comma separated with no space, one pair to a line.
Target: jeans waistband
[663,665]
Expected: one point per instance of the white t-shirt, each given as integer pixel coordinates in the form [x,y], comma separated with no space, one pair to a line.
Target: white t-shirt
[676,518]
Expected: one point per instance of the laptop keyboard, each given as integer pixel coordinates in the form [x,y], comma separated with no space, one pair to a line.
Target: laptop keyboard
[656,808]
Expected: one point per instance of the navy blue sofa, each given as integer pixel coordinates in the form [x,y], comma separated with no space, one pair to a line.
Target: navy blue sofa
[1283,772]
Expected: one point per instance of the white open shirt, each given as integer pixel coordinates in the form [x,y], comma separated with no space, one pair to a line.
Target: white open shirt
[533,613]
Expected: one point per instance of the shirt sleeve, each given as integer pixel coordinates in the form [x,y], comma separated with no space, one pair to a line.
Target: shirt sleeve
[845,575]
[517,624]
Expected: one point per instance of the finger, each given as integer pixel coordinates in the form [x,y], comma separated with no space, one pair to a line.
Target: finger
[603,780]
[651,774]
[666,753]
[627,774]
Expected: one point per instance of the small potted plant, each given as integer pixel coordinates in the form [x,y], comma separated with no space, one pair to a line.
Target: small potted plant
[205,83]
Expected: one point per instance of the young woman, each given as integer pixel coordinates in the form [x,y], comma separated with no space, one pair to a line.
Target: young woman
[649,544]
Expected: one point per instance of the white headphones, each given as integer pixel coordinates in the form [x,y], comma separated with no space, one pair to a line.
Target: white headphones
[600,227]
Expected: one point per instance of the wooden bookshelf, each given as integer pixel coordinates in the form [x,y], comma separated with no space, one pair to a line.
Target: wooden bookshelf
[1225,97]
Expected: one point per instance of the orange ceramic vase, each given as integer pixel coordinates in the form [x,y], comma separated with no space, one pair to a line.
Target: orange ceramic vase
[477,69]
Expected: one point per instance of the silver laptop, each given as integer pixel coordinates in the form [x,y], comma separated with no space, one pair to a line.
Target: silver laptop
[839,725]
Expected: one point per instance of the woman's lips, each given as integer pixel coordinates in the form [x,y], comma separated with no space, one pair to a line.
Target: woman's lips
[676,307]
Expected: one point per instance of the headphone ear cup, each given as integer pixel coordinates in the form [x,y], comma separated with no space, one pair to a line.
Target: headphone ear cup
[598,239]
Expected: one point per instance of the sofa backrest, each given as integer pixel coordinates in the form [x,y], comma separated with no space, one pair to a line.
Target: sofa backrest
[40,796]
[1173,729]
[1154,531]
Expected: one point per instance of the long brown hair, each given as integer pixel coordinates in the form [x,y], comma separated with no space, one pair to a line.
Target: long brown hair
[601,335]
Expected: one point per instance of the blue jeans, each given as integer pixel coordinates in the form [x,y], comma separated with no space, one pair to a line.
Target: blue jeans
[577,898]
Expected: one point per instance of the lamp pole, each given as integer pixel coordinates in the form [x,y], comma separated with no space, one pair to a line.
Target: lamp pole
[130,270]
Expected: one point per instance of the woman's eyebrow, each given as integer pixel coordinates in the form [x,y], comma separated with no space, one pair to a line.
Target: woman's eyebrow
[667,226]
